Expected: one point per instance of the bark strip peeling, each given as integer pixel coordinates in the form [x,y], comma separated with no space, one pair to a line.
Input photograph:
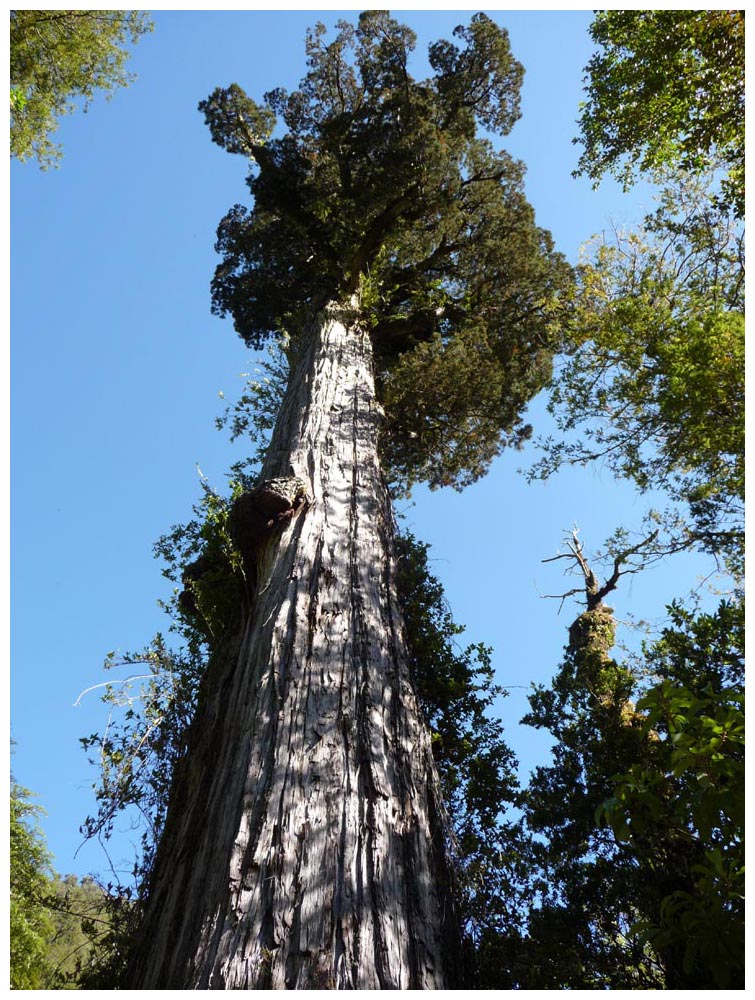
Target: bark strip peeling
[305,845]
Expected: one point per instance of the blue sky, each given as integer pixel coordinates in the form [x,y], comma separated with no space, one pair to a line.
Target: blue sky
[117,365]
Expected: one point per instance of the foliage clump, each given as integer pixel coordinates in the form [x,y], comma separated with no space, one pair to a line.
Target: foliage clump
[692,799]
[654,374]
[58,926]
[30,871]
[150,712]
[666,89]
[82,926]
[59,57]
[652,380]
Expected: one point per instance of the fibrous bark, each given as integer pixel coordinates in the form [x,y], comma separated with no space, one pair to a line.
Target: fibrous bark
[305,844]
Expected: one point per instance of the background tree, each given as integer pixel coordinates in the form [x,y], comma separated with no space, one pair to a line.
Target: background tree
[30,871]
[654,372]
[305,842]
[666,89]
[81,925]
[636,855]
[592,890]
[639,817]
[57,925]
[57,59]
[653,377]
[693,796]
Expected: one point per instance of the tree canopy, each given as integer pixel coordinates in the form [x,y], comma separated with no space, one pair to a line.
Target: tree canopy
[380,185]
[58,58]
[666,89]
[653,374]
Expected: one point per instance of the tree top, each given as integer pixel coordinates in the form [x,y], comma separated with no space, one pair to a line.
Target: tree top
[367,180]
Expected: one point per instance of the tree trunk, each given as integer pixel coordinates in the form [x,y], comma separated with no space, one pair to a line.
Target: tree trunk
[305,845]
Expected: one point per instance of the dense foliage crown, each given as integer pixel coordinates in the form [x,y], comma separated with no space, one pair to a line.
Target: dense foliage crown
[380,185]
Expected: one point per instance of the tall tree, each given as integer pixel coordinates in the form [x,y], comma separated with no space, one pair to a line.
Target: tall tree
[593,889]
[59,58]
[306,843]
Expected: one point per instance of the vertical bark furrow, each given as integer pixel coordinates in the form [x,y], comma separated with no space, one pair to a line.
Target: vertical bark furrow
[310,808]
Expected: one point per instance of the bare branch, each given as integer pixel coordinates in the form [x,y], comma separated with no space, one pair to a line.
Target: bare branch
[620,561]
[594,592]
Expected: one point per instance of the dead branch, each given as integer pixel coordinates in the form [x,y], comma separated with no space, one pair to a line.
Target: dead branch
[593,590]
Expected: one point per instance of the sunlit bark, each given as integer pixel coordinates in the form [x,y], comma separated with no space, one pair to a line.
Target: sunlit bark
[305,845]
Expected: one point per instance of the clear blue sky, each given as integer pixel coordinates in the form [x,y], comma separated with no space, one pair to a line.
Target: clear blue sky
[117,366]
